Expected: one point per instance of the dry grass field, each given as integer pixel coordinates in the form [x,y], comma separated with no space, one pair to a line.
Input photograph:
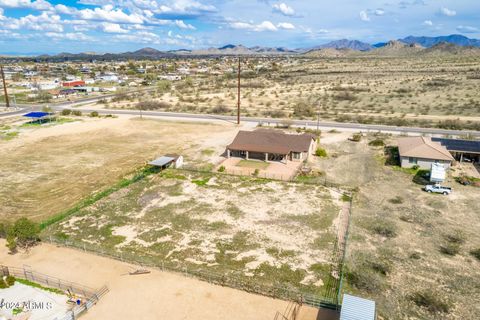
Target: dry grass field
[425,91]
[411,251]
[273,232]
[47,169]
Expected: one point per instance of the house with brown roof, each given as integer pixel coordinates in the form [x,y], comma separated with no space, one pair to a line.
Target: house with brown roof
[422,152]
[272,145]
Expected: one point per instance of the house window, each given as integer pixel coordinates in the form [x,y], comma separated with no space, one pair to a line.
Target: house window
[296,155]
[412,160]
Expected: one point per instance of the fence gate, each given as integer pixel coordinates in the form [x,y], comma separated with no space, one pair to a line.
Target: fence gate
[5,271]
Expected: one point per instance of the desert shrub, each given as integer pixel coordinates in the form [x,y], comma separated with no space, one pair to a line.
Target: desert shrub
[357,137]
[77,113]
[345,96]
[377,143]
[153,105]
[320,152]
[450,249]
[66,112]
[120,97]
[303,109]
[275,114]
[476,253]
[94,114]
[221,169]
[385,228]
[3,284]
[431,301]
[455,237]
[256,172]
[396,200]
[366,280]
[220,109]
[415,167]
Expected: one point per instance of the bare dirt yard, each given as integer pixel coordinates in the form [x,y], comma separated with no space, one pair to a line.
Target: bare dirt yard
[162,294]
[415,253]
[268,232]
[47,169]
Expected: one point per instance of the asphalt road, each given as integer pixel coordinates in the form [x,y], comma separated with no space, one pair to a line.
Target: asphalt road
[253,120]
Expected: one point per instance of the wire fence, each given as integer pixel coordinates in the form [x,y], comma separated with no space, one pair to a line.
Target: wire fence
[231,279]
[90,295]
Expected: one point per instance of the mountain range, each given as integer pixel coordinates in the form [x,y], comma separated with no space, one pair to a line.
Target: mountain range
[333,48]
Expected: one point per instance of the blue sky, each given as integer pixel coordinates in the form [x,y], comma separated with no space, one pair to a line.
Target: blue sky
[47,26]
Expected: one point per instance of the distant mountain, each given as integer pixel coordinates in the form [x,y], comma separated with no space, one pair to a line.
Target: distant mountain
[456,39]
[448,49]
[396,48]
[345,44]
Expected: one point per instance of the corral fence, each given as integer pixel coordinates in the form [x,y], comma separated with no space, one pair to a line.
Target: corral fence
[232,280]
[91,296]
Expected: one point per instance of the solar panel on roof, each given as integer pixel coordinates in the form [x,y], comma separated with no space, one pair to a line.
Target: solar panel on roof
[459,145]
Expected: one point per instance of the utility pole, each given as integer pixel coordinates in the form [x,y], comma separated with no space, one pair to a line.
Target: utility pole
[7,102]
[238,103]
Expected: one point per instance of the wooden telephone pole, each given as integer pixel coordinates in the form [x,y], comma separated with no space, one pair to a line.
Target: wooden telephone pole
[7,101]
[238,103]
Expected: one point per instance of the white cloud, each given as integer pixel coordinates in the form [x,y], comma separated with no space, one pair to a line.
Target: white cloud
[183,25]
[112,28]
[264,26]
[68,36]
[467,29]
[447,12]
[42,22]
[285,25]
[428,23]
[364,16]
[284,9]
[36,5]
[379,12]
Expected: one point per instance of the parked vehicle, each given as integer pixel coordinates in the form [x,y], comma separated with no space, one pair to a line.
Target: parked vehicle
[436,188]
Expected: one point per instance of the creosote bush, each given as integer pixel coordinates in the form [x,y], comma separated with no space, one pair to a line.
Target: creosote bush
[431,301]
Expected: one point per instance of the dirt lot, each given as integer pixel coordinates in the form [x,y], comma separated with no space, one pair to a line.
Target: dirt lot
[139,297]
[46,169]
[408,250]
[273,232]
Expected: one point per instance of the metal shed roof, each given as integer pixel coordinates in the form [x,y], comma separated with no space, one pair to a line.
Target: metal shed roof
[162,161]
[355,308]
[36,115]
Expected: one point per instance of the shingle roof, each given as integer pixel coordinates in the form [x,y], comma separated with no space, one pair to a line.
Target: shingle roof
[271,141]
[423,147]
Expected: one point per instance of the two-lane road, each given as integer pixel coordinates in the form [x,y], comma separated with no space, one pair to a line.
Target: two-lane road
[341,126]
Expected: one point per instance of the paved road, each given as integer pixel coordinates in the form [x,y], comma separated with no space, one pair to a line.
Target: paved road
[253,120]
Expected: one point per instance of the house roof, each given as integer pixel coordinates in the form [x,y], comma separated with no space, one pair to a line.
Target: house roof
[162,161]
[467,146]
[271,141]
[423,147]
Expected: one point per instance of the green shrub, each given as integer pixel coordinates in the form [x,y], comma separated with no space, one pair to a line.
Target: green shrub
[221,169]
[377,143]
[396,200]
[94,114]
[320,152]
[10,281]
[66,112]
[431,301]
[3,285]
[357,137]
[416,167]
[77,113]
[256,172]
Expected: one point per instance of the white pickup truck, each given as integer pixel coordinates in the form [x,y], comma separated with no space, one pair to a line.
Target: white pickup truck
[436,188]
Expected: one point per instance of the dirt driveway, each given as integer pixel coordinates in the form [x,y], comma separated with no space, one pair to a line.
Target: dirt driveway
[158,295]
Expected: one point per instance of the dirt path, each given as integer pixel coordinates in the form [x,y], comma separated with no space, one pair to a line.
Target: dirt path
[158,295]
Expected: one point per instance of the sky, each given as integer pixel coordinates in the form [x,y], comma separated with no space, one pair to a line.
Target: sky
[48,26]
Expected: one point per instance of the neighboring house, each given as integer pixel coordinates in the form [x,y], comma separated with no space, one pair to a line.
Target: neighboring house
[422,152]
[271,145]
[76,83]
[167,161]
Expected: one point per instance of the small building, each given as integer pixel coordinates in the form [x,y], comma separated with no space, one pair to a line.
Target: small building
[272,145]
[422,152]
[167,161]
[356,308]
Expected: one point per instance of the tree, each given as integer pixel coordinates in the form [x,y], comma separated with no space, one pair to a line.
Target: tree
[23,233]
